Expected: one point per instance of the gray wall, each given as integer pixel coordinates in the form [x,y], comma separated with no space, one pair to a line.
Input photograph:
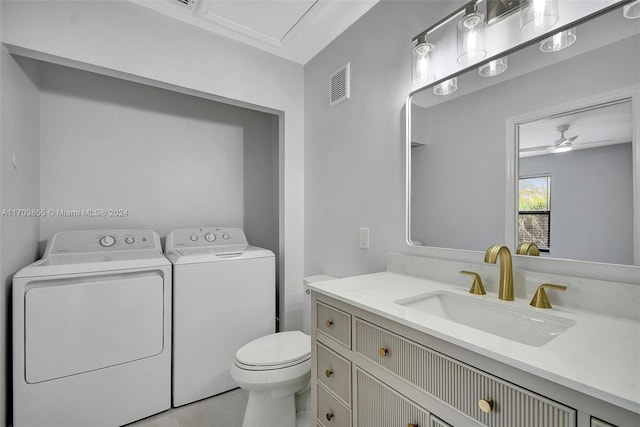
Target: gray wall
[19,188]
[172,160]
[458,178]
[83,140]
[354,151]
[591,202]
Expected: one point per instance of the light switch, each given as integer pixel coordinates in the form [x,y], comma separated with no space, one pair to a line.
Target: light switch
[364,238]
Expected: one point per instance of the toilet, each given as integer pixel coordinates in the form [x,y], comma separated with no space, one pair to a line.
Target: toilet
[276,370]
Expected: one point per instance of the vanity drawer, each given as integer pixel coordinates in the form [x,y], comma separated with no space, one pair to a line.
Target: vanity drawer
[331,412]
[457,384]
[334,372]
[334,323]
[437,422]
[599,423]
[377,405]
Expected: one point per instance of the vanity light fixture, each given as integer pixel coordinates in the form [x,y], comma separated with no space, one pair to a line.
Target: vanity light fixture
[537,16]
[493,68]
[631,10]
[471,40]
[447,87]
[559,41]
[421,61]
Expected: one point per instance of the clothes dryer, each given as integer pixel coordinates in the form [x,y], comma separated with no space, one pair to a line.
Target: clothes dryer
[92,331]
[224,297]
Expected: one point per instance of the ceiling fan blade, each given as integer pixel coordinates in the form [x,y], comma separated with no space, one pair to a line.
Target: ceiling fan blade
[538,148]
[565,141]
[594,142]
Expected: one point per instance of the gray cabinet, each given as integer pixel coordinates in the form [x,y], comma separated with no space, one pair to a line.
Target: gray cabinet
[457,384]
[371,372]
[377,405]
[334,373]
[331,411]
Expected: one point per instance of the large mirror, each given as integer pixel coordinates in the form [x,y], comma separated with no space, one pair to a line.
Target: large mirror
[546,151]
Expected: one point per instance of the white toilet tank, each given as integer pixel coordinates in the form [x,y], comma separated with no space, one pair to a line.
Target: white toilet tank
[306,324]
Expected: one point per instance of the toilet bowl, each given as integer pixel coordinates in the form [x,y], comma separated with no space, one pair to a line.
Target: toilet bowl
[276,370]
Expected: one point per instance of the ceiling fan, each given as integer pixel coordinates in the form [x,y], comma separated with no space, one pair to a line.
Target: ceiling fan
[563,143]
[560,145]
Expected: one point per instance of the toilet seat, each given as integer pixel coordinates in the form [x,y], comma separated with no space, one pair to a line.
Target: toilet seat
[275,351]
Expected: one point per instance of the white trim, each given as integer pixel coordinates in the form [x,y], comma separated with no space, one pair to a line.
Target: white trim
[407,148]
[322,23]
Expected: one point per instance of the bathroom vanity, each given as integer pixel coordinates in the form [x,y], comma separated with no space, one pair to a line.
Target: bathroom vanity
[382,358]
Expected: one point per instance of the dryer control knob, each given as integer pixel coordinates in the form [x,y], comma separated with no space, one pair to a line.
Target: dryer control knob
[193,237]
[225,236]
[129,240]
[210,237]
[107,241]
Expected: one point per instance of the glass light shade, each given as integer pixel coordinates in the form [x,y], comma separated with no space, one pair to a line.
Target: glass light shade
[471,42]
[559,41]
[631,10]
[421,73]
[537,16]
[493,68]
[446,87]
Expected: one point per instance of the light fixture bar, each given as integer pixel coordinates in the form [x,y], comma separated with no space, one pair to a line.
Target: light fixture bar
[443,22]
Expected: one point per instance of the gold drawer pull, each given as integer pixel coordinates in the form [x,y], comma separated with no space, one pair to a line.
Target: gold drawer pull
[412,425]
[328,373]
[329,416]
[328,323]
[383,352]
[486,405]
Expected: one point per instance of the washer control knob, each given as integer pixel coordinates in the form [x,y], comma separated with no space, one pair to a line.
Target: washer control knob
[210,237]
[193,237]
[225,236]
[107,241]
[129,240]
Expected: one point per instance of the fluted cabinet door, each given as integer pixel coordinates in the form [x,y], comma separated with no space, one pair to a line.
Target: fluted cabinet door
[459,385]
[377,405]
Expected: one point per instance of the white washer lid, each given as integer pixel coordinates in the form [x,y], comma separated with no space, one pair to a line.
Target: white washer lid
[275,349]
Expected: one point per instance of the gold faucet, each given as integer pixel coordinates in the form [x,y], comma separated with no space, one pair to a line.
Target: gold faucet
[506,270]
[477,288]
[540,299]
[528,248]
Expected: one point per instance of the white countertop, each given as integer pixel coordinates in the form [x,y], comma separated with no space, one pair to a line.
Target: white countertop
[598,356]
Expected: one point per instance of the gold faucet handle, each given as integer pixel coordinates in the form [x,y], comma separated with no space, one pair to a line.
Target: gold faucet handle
[540,299]
[477,288]
[528,248]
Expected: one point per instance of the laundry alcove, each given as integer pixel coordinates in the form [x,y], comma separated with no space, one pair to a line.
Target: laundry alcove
[168,160]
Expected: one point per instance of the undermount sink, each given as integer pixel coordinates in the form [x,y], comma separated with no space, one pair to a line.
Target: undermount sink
[521,324]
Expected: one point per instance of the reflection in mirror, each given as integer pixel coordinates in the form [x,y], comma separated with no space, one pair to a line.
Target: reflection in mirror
[459,150]
[575,197]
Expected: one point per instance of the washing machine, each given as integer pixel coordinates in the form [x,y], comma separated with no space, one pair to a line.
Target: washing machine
[92,331]
[224,296]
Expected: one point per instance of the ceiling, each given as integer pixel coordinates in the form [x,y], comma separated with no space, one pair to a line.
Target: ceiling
[296,30]
[595,127]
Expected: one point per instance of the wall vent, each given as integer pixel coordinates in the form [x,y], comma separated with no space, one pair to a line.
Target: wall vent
[340,85]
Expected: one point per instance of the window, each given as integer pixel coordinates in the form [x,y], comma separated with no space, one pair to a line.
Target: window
[534,205]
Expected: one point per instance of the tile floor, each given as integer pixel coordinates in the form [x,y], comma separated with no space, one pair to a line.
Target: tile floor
[223,410]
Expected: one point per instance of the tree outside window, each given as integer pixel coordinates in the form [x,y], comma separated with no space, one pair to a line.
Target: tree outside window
[534,205]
